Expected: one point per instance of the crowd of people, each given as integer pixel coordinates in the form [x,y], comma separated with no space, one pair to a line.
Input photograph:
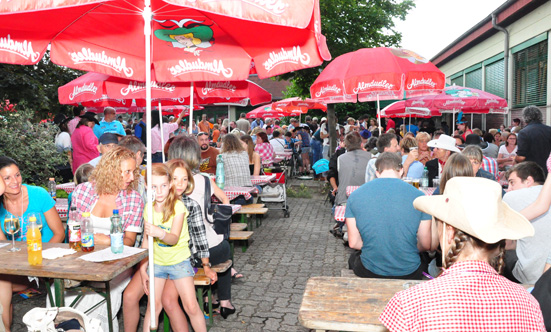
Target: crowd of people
[470,223]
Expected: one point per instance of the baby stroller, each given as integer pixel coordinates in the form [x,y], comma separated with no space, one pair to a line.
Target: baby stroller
[276,193]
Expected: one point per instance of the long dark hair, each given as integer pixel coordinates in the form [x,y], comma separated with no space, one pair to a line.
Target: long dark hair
[6,162]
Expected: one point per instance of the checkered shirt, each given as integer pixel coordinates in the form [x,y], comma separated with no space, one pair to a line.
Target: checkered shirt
[199,245]
[129,203]
[490,165]
[266,152]
[469,296]
[236,169]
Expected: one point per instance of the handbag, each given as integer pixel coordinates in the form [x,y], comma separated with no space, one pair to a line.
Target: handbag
[221,214]
[45,319]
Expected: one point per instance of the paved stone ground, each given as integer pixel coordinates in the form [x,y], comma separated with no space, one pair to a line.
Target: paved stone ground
[284,253]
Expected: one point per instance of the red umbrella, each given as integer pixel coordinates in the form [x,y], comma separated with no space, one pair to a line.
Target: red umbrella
[95,89]
[191,40]
[398,110]
[377,73]
[457,98]
[133,108]
[267,111]
[297,104]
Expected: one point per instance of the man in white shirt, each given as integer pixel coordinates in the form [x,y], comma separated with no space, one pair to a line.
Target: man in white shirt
[278,143]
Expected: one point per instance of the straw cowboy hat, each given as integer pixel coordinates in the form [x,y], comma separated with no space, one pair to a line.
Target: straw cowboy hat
[444,142]
[474,205]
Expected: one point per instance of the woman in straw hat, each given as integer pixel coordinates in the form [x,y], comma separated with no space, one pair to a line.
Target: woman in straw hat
[471,224]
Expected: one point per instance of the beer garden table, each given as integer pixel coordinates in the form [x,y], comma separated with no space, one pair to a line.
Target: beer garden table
[66,267]
[234,192]
[262,179]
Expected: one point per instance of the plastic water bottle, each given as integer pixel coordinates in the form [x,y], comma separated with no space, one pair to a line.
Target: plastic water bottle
[220,177]
[116,233]
[52,188]
[75,229]
[87,232]
[425,178]
[34,242]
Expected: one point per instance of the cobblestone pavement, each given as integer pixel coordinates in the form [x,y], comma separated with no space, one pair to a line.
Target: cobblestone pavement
[283,254]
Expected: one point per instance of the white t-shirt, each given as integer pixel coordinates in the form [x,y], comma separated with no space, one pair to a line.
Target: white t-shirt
[278,144]
[63,142]
[505,153]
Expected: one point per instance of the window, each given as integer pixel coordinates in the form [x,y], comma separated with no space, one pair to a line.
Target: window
[494,81]
[473,79]
[530,75]
[457,80]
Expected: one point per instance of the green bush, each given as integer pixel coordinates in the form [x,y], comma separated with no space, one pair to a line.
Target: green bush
[31,145]
[301,192]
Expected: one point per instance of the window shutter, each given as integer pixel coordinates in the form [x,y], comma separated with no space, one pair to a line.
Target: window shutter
[457,81]
[494,80]
[530,76]
[474,79]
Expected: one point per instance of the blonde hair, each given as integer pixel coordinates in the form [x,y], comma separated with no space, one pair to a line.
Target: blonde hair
[159,169]
[250,146]
[422,136]
[180,163]
[231,143]
[256,130]
[107,175]
[407,143]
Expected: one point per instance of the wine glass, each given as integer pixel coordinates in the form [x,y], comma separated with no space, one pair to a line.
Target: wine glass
[11,227]
[38,219]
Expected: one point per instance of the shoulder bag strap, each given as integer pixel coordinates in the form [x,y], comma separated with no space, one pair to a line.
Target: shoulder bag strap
[208,198]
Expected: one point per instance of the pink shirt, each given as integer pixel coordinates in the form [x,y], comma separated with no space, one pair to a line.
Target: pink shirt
[156,145]
[72,125]
[85,146]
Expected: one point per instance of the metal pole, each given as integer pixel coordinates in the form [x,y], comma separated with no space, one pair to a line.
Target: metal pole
[162,132]
[331,124]
[147,32]
[379,114]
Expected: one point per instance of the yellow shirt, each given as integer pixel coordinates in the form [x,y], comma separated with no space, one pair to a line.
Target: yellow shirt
[163,253]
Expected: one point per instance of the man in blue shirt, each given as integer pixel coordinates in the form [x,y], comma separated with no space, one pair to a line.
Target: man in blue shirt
[257,123]
[109,124]
[385,226]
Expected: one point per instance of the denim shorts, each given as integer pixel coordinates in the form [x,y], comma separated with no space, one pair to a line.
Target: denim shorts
[176,271]
[305,149]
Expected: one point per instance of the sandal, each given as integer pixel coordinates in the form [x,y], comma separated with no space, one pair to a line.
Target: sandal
[237,275]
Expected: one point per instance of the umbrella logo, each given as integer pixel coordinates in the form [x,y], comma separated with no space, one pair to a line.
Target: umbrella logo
[362,86]
[190,35]
[24,49]
[211,86]
[85,88]
[86,55]
[286,56]
[325,89]
[417,83]
[135,87]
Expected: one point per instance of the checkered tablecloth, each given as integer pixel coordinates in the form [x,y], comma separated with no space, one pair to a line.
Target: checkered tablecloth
[68,187]
[62,207]
[262,179]
[234,207]
[351,189]
[339,212]
[234,192]
[428,191]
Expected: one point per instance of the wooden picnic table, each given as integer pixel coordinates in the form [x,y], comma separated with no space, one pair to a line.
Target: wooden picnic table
[66,267]
[347,304]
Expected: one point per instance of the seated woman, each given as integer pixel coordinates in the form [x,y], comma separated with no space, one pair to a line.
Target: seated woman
[236,165]
[415,169]
[254,157]
[264,149]
[507,152]
[473,245]
[112,186]
[20,200]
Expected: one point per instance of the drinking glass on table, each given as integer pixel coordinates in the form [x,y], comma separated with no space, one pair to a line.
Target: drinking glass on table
[12,226]
[38,219]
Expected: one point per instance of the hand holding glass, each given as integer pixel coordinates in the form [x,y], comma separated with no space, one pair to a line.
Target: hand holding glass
[11,227]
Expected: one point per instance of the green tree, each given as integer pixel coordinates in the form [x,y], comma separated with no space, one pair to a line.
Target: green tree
[350,25]
[36,86]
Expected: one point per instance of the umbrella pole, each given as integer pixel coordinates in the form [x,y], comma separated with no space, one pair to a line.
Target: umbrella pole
[190,129]
[453,123]
[229,108]
[162,132]
[378,115]
[147,32]
[472,124]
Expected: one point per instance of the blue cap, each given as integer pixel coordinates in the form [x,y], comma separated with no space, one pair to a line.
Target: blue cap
[115,211]
[365,134]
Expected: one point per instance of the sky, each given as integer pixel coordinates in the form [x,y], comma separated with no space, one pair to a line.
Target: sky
[434,24]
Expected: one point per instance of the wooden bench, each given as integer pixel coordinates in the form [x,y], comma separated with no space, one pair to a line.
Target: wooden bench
[202,282]
[258,210]
[239,236]
[237,226]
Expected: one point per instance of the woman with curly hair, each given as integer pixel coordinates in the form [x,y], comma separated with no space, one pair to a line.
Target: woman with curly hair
[112,186]
[471,223]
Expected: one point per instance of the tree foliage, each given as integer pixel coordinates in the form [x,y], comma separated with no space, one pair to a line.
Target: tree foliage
[350,25]
[36,86]
[29,143]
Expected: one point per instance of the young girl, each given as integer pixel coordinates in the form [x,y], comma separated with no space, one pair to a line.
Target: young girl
[172,254]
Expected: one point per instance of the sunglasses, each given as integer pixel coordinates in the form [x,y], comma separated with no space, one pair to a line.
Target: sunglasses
[201,134]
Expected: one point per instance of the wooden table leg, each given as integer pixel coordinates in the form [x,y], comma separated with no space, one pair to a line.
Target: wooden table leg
[108,301]
[59,290]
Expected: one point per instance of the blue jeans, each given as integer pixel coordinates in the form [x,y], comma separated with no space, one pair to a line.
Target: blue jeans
[316,151]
